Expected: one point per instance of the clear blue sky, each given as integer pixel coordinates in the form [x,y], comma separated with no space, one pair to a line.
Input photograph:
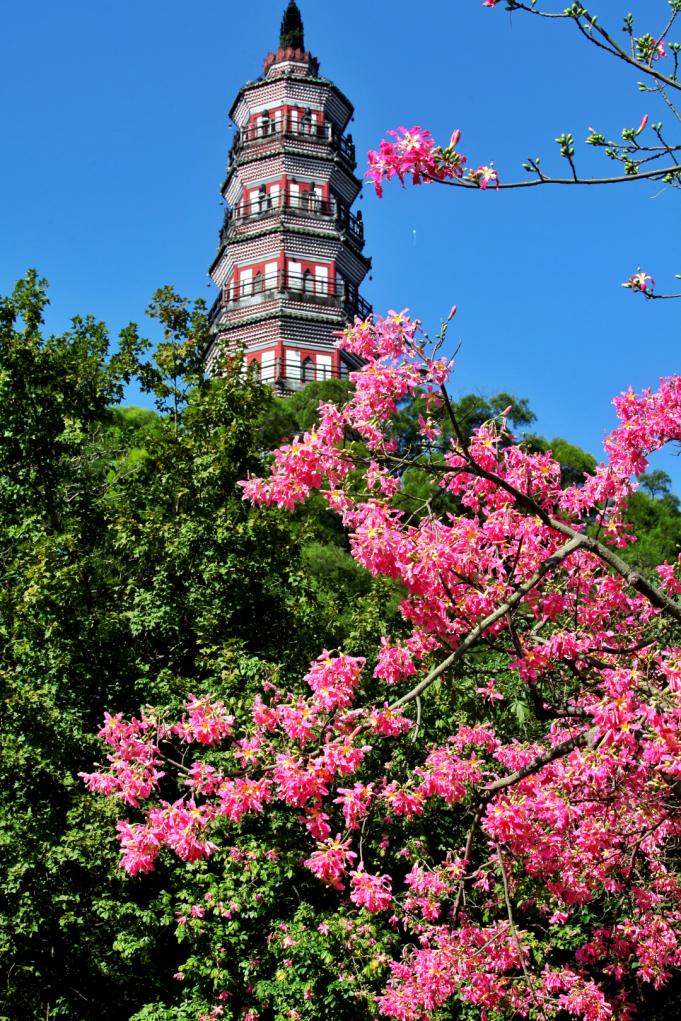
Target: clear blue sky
[115,138]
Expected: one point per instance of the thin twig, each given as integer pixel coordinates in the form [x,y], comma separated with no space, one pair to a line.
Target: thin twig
[514,932]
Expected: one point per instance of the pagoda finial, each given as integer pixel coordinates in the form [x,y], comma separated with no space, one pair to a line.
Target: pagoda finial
[292,31]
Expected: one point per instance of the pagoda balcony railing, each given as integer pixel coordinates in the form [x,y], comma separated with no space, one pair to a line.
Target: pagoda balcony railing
[294,287]
[306,204]
[287,376]
[256,135]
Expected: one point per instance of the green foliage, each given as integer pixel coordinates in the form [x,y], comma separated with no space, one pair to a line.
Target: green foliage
[133,572]
[657,525]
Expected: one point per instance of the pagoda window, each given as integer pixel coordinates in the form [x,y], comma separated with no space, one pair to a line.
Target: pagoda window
[267,365]
[292,365]
[306,122]
[265,124]
[254,366]
[324,368]
[246,282]
[322,279]
[262,199]
[258,283]
[295,276]
[294,195]
[308,285]
[270,276]
[295,116]
[308,370]
[274,196]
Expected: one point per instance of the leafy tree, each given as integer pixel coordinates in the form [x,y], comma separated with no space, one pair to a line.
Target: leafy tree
[656,483]
[133,571]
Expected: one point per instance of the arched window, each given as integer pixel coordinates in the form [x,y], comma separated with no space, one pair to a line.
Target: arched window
[262,198]
[265,124]
[308,370]
[308,285]
[258,283]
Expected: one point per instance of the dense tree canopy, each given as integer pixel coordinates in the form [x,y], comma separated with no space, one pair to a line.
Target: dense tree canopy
[132,571]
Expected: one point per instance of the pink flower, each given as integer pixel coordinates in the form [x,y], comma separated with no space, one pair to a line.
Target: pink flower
[371,892]
[355,802]
[329,862]
[485,175]
[333,679]
[205,722]
[640,281]
[559,917]
[489,693]
[644,121]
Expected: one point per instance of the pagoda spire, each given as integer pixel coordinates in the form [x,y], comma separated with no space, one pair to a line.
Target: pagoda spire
[292,33]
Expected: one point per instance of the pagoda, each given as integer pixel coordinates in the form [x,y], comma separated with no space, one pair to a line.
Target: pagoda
[290,254]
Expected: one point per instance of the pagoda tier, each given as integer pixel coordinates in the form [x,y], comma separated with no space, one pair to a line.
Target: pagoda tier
[290,254]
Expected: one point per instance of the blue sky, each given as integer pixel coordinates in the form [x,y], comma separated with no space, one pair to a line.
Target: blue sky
[115,141]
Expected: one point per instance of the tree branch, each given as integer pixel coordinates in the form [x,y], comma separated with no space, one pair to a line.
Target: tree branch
[581,740]
[612,47]
[674,171]
[544,568]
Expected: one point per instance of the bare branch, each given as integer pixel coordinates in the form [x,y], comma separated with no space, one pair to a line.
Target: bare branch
[659,174]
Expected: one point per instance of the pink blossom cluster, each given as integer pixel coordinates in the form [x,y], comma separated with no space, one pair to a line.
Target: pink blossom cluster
[580,820]
[413,153]
[133,771]
[334,679]
[206,722]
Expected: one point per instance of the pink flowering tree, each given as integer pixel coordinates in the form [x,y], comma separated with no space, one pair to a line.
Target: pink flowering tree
[487,804]
[646,150]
